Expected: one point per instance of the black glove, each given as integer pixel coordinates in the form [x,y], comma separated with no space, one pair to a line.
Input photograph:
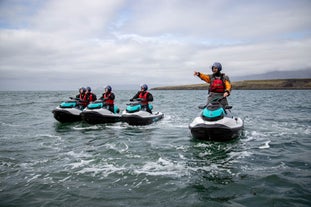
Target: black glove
[131,99]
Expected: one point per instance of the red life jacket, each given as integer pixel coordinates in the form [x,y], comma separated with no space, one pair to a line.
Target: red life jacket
[91,97]
[217,85]
[107,100]
[84,103]
[81,97]
[88,98]
[143,96]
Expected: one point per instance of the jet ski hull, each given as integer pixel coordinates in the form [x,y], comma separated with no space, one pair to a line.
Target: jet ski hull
[141,117]
[65,115]
[222,130]
[100,116]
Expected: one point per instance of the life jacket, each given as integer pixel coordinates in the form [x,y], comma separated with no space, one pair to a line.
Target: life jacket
[217,85]
[90,97]
[85,102]
[81,96]
[143,96]
[107,100]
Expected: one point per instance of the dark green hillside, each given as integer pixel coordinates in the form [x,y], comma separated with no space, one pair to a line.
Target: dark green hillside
[278,84]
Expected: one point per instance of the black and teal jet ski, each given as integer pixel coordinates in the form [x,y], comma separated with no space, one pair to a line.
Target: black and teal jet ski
[136,114]
[68,111]
[98,113]
[216,123]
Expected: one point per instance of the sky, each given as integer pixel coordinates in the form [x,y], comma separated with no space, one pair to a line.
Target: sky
[66,44]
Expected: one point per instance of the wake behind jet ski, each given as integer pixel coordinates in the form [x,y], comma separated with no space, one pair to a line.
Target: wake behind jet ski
[98,113]
[138,114]
[216,123]
[69,111]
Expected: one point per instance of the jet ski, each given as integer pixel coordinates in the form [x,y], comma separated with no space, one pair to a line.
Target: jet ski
[69,111]
[216,123]
[98,113]
[136,114]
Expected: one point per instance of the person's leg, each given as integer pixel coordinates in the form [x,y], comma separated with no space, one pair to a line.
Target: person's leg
[111,108]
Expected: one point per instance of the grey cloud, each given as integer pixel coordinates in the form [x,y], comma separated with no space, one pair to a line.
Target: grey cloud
[65,44]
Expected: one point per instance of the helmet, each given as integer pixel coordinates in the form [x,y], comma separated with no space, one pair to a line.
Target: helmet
[82,88]
[108,87]
[88,88]
[144,86]
[217,65]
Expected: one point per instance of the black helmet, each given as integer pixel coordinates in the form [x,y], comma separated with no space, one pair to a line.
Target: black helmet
[217,65]
[108,87]
[144,86]
[83,89]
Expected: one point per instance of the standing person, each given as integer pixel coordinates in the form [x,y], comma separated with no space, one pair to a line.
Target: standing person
[81,94]
[145,96]
[220,85]
[108,98]
[89,96]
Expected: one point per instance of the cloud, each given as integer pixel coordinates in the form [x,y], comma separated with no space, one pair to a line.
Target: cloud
[66,44]
[223,19]
[76,19]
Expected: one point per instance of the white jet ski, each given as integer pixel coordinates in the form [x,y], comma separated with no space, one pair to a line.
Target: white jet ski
[216,123]
[68,111]
[136,114]
[98,113]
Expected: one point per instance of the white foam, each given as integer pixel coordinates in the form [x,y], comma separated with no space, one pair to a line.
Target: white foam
[307,131]
[66,178]
[49,136]
[114,126]
[265,146]
[117,148]
[33,178]
[210,168]
[81,154]
[79,164]
[85,128]
[204,154]
[105,170]
[239,155]
[163,167]
[255,133]
[202,145]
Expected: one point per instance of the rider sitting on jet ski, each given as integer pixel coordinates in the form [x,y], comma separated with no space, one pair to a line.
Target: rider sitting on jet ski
[89,96]
[80,98]
[145,97]
[108,98]
[81,94]
[220,85]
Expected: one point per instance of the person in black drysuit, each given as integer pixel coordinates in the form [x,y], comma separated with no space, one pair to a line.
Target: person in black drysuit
[145,97]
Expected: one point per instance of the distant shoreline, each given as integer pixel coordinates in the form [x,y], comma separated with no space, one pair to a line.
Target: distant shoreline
[273,84]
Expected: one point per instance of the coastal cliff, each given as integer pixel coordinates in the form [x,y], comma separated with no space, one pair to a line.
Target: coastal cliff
[276,84]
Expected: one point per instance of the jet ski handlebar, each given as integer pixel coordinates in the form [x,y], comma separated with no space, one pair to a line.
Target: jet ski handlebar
[215,101]
[135,101]
[77,99]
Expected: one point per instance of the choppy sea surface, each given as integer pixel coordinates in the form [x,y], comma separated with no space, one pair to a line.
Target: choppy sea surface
[46,163]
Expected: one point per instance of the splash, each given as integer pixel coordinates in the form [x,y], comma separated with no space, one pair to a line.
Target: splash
[265,146]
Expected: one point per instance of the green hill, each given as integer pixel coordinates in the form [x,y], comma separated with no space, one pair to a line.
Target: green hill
[277,84]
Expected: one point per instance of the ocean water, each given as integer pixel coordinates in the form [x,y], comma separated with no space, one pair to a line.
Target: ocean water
[46,163]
